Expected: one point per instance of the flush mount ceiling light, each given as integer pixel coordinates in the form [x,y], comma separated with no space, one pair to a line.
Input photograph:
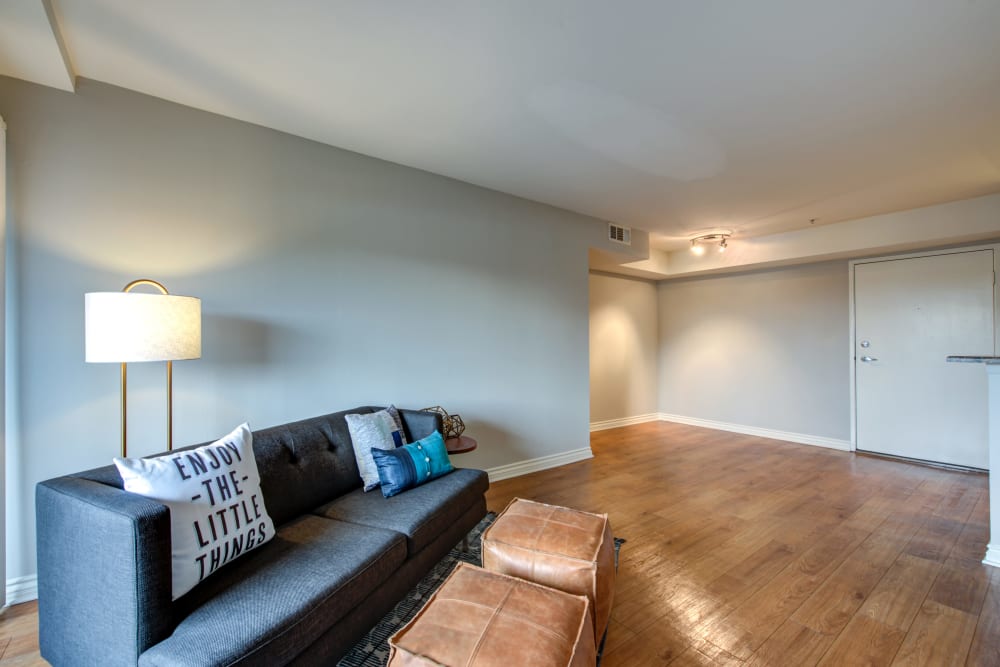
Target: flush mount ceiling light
[698,243]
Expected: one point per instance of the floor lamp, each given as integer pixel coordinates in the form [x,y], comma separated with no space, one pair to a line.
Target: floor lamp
[127,326]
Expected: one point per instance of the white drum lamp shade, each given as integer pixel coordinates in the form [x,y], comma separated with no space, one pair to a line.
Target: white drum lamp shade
[124,327]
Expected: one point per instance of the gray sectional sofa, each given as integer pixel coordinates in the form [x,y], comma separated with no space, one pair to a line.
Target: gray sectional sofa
[340,560]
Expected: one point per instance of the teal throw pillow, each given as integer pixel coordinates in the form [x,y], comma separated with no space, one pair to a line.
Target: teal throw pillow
[411,465]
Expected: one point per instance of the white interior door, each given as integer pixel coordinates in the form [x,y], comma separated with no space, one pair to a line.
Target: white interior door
[909,314]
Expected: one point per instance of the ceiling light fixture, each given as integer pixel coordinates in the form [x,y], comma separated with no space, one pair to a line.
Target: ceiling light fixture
[698,242]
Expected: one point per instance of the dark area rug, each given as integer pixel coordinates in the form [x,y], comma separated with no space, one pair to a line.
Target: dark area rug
[373,649]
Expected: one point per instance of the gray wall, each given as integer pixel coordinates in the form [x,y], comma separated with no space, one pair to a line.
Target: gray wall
[3,343]
[328,279]
[766,349]
[623,347]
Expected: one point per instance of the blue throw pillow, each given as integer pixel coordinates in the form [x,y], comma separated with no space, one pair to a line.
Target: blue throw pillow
[412,465]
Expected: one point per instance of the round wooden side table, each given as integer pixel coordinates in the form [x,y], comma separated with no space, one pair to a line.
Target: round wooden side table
[460,445]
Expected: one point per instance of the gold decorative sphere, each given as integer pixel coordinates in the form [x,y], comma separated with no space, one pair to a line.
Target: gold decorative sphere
[452,425]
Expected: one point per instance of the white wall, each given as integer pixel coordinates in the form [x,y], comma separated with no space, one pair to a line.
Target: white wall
[328,280]
[766,349]
[623,347]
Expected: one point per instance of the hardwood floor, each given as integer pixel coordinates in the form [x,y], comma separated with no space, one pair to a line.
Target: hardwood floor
[19,636]
[743,550]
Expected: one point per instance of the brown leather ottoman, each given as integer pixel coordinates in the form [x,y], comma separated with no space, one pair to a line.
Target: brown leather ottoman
[562,548]
[483,619]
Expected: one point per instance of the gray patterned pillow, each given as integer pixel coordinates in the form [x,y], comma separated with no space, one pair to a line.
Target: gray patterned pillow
[377,430]
[394,413]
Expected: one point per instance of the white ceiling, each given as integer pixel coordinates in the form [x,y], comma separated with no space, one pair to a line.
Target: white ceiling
[671,116]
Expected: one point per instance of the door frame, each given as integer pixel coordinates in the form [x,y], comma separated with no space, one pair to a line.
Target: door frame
[852,334]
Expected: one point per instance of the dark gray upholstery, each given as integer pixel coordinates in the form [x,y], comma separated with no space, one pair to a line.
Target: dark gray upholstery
[421,514]
[100,545]
[418,424]
[339,638]
[104,559]
[282,596]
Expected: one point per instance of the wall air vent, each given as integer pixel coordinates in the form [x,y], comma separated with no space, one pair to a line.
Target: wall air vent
[619,234]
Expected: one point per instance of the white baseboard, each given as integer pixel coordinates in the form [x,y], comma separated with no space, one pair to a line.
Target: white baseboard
[992,555]
[624,421]
[788,436]
[22,589]
[541,463]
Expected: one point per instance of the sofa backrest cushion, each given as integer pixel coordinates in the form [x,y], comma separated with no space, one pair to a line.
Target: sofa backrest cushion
[303,464]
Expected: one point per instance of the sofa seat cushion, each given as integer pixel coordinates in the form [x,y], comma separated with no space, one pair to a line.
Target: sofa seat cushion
[422,513]
[267,606]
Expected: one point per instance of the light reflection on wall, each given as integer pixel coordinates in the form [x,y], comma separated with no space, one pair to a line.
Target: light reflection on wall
[151,245]
[623,342]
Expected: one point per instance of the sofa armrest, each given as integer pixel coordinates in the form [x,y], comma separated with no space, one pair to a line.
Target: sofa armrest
[421,424]
[103,573]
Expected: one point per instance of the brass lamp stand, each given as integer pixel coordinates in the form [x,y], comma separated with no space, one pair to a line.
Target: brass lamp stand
[130,326]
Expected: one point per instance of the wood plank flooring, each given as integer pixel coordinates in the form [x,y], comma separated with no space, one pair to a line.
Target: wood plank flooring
[19,636]
[748,551]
